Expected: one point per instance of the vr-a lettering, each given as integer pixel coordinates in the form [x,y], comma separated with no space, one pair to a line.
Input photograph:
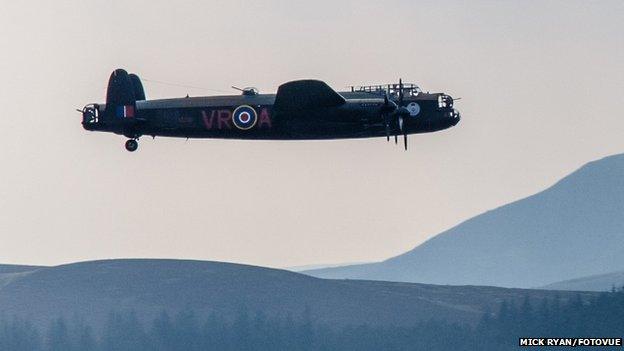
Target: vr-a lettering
[217,119]
[222,119]
[265,119]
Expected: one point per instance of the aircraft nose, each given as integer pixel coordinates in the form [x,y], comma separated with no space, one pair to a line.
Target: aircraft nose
[456,116]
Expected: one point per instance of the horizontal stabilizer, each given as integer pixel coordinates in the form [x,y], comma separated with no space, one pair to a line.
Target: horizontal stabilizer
[306,94]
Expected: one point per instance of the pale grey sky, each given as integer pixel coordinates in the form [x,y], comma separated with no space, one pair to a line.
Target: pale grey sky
[541,86]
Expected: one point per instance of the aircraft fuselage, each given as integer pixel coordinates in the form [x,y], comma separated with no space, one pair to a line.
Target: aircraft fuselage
[300,110]
[212,117]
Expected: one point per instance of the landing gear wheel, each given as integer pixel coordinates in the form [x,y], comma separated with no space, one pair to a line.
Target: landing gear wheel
[132,145]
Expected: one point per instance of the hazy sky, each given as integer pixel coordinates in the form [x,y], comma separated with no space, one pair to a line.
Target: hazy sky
[542,85]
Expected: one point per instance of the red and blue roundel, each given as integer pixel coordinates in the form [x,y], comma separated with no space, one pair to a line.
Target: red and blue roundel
[244,117]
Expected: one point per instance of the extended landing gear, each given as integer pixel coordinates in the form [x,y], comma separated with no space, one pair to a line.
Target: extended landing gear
[132,145]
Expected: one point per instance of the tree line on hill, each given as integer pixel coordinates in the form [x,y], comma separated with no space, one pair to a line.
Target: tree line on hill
[601,317]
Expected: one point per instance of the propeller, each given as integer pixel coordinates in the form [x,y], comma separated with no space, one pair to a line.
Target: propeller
[401,111]
[387,108]
[390,109]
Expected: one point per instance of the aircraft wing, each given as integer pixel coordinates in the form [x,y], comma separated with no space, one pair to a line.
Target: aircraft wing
[306,94]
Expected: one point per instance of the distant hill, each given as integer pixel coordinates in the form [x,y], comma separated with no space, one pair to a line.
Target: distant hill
[91,290]
[573,229]
[10,272]
[601,282]
[320,266]
[11,268]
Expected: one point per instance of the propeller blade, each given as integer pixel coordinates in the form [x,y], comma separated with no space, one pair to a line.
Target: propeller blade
[389,107]
[396,139]
[405,140]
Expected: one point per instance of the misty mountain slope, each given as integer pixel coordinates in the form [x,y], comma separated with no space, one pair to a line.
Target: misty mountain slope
[574,228]
[9,272]
[601,282]
[91,290]
[11,268]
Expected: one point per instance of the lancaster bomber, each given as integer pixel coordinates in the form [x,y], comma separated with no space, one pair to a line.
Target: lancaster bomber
[300,110]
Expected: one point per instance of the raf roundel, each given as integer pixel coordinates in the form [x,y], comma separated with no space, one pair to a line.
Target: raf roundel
[413,108]
[244,117]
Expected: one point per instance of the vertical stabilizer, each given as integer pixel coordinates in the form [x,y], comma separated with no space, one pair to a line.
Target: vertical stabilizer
[122,94]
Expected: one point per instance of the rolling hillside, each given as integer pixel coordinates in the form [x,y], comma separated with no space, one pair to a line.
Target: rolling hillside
[11,268]
[8,272]
[91,290]
[573,229]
